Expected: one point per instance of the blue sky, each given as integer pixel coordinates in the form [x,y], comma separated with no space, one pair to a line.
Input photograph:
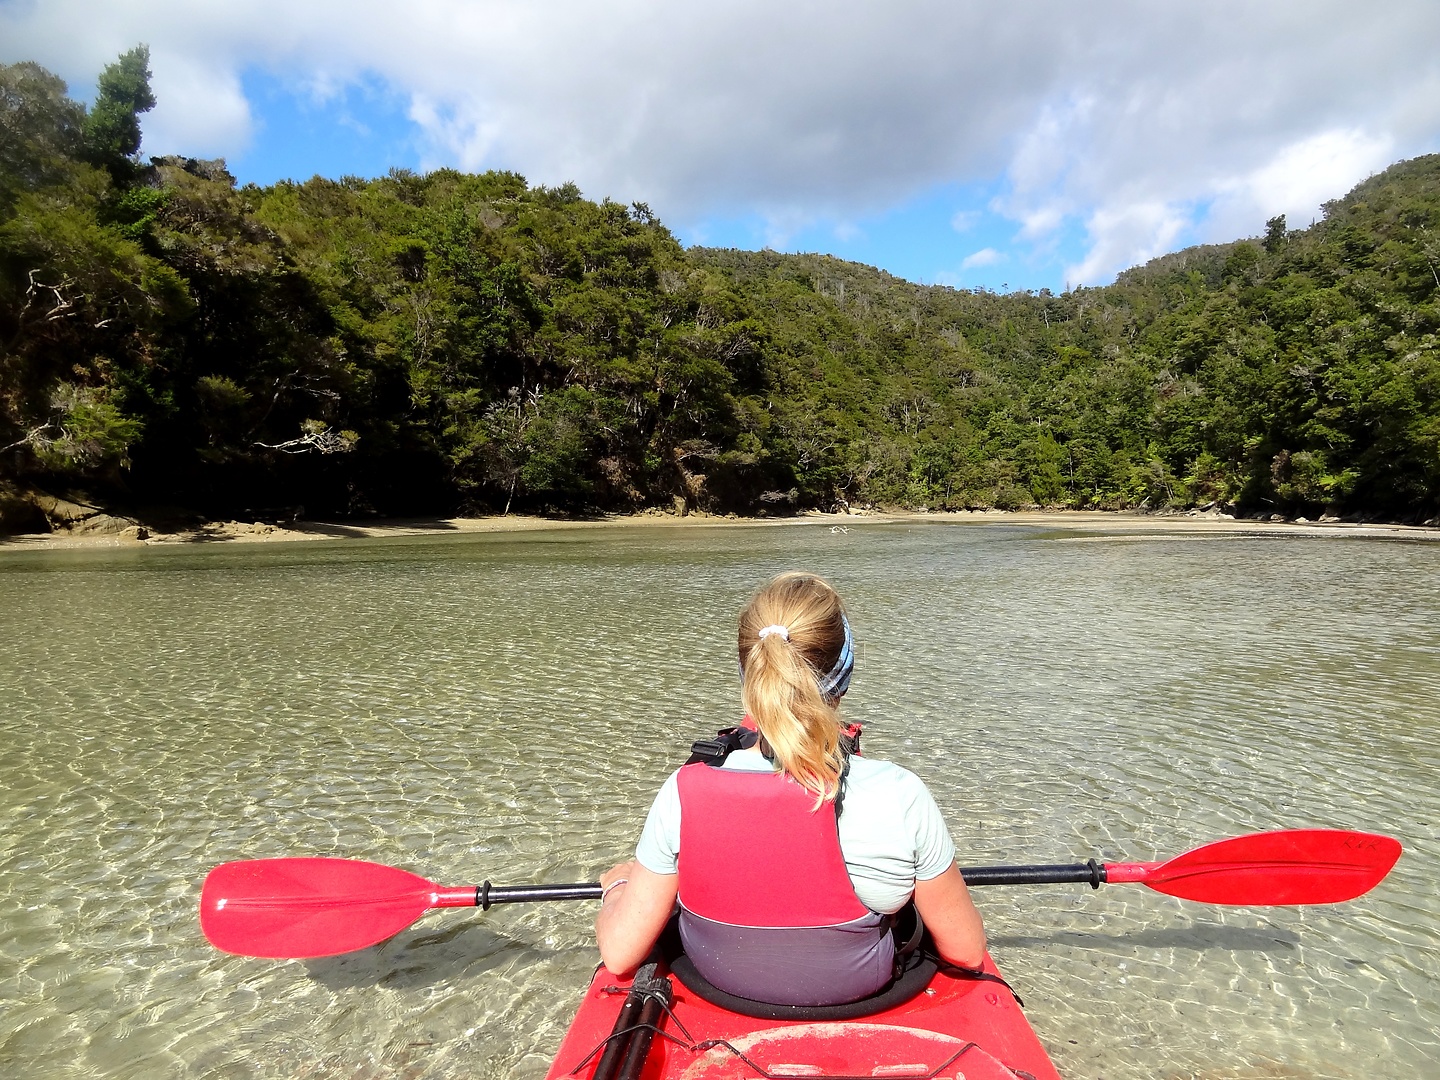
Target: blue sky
[947,235]
[1038,145]
[361,130]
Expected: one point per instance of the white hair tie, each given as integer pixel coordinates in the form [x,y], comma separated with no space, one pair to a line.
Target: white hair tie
[766,631]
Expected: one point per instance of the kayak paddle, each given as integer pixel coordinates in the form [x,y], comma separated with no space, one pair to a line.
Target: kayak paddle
[302,908]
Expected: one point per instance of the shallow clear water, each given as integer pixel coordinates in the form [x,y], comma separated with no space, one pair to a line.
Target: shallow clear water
[504,706]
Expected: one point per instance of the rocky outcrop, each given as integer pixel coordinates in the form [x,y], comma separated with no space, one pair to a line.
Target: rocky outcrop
[35,511]
[213,169]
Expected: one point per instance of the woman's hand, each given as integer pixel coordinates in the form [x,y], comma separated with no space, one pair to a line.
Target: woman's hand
[950,916]
[637,904]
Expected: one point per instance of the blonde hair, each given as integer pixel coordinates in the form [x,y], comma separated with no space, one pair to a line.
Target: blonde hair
[782,672]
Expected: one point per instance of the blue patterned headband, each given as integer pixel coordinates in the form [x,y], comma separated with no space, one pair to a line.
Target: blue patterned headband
[836,681]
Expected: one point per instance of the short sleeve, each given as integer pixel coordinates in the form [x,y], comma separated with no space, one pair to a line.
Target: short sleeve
[659,847]
[934,850]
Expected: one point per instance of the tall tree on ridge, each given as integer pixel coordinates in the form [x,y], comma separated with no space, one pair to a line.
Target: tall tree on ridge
[112,129]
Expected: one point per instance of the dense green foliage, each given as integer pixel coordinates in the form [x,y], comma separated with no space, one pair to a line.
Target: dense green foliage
[1298,374]
[425,344]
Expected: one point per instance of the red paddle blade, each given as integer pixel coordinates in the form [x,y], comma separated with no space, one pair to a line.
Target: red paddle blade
[300,908]
[1294,866]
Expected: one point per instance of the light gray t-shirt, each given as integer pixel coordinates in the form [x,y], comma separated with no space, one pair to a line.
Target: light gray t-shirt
[891,832]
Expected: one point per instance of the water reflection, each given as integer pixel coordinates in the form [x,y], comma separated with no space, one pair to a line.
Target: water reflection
[504,706]
[1193,938]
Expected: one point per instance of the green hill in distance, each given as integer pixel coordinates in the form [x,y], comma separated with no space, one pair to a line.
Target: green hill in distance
[442,343]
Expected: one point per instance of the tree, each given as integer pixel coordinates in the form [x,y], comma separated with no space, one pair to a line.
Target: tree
[112,130]
[1274,234]
[40,131]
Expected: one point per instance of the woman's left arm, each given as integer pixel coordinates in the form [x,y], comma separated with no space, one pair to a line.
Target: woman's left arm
[633,914]
[949,914]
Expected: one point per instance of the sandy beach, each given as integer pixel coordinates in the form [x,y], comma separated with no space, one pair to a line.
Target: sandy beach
[1092,524]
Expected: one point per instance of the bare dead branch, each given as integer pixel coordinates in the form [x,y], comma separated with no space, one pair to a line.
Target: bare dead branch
[317,439]
[34,437]
[61,306]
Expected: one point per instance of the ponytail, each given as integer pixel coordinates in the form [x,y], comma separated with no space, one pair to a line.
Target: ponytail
[795,655]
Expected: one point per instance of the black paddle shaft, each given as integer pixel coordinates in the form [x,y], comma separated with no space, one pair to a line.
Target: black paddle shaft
[487,895]
[1092,873]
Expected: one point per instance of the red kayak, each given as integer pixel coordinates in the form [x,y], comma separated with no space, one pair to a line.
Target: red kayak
[956,1027]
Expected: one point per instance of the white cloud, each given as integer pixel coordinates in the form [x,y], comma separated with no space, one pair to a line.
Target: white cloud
[1036,222]
[223,126]
[1295,182]
[1124,235]
[1137,121]
[983,257]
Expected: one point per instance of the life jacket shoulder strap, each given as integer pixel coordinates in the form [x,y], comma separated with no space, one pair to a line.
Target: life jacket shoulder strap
[728,740]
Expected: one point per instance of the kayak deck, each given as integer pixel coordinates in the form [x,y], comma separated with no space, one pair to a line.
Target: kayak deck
[956,1027]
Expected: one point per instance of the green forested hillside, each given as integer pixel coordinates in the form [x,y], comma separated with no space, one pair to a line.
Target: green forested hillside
[427,344]
[1296,373]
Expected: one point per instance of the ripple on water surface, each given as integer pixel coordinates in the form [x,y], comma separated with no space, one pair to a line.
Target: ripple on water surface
[505,706]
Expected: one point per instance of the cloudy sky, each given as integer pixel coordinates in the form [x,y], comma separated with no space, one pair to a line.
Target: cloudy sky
[1021,145]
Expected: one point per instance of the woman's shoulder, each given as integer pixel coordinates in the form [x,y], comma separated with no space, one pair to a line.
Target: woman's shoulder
[877,766]
[877,771]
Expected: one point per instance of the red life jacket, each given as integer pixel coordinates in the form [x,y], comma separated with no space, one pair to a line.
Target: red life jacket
[768,911]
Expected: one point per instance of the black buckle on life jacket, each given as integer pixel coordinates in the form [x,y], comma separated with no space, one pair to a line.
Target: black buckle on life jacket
[710,751]
[726,742]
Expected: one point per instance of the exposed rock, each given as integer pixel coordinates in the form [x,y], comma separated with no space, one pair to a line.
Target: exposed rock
[62,513]
[104,523]
[77,518]
[135,532]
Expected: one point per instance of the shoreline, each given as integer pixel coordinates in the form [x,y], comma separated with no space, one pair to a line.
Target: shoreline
[1099,524]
